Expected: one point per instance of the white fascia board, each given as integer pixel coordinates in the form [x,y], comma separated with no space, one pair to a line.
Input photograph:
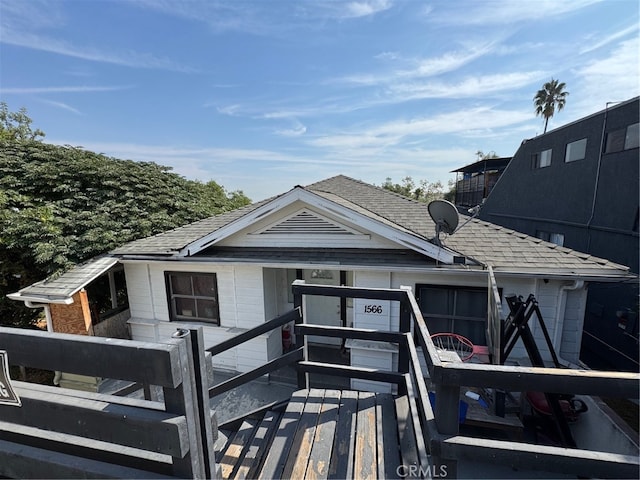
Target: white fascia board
[233,227]
[25,298]
[406,239]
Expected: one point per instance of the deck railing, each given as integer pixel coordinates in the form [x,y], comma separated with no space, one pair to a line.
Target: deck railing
[440,425]
[436,430]
[63,433]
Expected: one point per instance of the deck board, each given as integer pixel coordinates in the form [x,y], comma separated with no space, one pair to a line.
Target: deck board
[341,463]
[259,446]
[318,466]
[298,458]
[237,448]
[325,434]
[281,444]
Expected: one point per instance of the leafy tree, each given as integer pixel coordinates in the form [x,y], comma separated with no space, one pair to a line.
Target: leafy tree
[485,156]
[549,98]
[425,191]
[61,205]
[17,125]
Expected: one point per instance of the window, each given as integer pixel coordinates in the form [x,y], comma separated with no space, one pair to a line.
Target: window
[542,159]
[632,137]
[623,139]
[107,295]
[576,150]
[557,238]
[193,296]
[461,310]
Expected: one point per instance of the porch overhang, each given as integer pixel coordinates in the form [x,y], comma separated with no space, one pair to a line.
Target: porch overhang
[60,290]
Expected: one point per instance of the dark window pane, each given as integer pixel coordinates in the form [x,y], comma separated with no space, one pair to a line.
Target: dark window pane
[633,136]
[181,285]
[207,309]
[204,285]
[473,330]
[615,140]
[470,303]
[185,307]
[438,301]
[438,325]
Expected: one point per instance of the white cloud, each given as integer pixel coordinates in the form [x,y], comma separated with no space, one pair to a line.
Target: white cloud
[481,86]
[365,8]
[393,133]
[609,79]
[61,47]
[504,12]
[66,89]
[296,130]
[63,106]
[632,29]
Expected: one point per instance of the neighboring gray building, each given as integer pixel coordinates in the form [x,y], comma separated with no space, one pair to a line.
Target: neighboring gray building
[578,186]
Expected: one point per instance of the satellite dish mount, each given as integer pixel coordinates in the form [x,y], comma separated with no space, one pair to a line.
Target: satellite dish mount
[445,216]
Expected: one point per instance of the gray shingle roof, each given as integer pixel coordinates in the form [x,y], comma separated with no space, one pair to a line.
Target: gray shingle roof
[505,250]
[67,284]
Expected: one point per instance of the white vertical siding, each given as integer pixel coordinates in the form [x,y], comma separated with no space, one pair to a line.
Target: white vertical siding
[269,280]
[138,290]
[575,305]
[249,295]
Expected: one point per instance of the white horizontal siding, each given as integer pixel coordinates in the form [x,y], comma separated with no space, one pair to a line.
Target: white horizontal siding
[241,303]
[376,359]
[372,319]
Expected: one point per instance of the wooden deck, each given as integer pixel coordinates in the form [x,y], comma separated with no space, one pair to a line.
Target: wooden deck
[323,434]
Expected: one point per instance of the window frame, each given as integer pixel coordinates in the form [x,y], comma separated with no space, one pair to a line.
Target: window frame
[171,298]
[453,318]
[556,238]
[568,150]
[538,157]
[634,127]
[620,139]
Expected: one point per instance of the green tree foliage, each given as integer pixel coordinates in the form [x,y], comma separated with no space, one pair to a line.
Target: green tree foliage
[17,125]
[485,156]
[549,98]
[424,191]
[60,206]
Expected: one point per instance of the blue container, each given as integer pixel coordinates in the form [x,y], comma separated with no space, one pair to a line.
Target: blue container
[462,412]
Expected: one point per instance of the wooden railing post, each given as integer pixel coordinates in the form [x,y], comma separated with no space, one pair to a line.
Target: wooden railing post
[206,419]
[303,378]
[405,327]
[447,412]
[182,400]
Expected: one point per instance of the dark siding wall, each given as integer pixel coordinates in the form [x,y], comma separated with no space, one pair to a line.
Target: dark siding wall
[560,198]
[594,203]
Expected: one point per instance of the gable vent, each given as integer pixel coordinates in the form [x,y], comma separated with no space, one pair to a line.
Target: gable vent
[305,222]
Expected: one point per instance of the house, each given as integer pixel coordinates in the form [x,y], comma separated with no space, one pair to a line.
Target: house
[577,186]
[234,271]
[474,182]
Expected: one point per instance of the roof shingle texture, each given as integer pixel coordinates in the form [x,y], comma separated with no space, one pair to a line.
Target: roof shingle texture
[484,242]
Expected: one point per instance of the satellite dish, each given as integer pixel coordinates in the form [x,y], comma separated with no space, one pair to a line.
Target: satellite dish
[445,216]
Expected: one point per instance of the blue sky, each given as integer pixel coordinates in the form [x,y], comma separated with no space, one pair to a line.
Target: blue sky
[265,95]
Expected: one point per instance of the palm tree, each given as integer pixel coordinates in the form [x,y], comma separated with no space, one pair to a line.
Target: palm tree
[550,97]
